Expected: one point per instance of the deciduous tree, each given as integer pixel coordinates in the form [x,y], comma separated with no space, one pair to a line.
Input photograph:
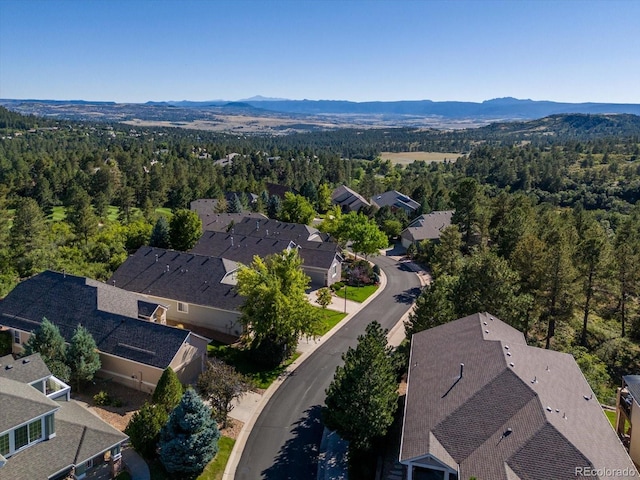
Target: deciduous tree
[221,384]
[185,229]
[276,311]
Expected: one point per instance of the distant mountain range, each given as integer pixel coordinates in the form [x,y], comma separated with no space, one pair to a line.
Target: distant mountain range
[264,115]
[497,108]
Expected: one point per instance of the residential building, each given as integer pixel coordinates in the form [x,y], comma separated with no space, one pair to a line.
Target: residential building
[269,228]
[397,201]
[134,345]
[198,290]
[349,200]
[321,261]
[482,403]
[426,227]
[628,414]
[44,434]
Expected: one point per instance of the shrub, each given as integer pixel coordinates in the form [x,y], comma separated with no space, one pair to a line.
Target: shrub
[5,343]
[102,399]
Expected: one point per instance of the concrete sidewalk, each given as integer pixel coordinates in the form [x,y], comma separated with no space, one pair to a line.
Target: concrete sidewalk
[136,466]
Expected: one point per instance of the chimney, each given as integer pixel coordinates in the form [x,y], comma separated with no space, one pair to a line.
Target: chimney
[461,369]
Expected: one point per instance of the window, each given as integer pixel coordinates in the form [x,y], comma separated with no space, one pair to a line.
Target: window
[27,434]
[4,444]
[16,336]
[334,270]
[183,307]
[35,431]
[21,436]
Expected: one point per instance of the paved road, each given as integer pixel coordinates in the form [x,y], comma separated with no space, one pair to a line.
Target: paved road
[284,441]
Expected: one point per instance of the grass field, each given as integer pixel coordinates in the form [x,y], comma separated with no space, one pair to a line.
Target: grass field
[358,294]
[405,158]
[330,318]
[216,467]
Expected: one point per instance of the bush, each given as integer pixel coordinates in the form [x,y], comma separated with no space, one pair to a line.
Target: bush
[5,343]
[102,399]
[359,273]
[337,286]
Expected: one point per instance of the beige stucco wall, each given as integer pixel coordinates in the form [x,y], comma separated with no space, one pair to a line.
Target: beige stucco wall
[132,374]
[190,360]
[634,444]
[225,321]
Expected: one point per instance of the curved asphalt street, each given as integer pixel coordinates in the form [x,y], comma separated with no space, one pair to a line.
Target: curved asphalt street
[285,439]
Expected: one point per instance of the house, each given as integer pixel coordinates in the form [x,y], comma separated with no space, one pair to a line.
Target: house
[321,261]
[221,222]
[197,289]
[628,413]
[426,227]
[349,200]
[134,345]
[397,201]
[274,189]
[482,403]
[44,434]
[269,228]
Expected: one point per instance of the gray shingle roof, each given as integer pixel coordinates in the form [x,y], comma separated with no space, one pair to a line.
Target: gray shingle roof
[256,227]
[80,435]
[21,403]
[395,199]
[67,301]
[185,277]
[428,227]
[25,370]
[538,396]
[242,248]
[349,199]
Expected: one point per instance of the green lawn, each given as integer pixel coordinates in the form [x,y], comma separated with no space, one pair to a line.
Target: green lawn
[611,416]
[238,358]
[330,319]
[59,213]
[358,294]
[216,467]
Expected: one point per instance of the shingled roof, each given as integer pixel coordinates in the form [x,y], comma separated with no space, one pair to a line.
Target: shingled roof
[184,277]
[395,199]
[80,435]
[348,199]
[428,227]
[110,314]
[256,227]
[512,408]
[242,248]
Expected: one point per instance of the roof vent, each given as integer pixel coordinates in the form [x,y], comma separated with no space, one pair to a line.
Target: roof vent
[511,364]
[461,369]
[535,380]
[508,354]
[167,268]
[564,415]
[26,360]
[484,323]
[506,347]
[486,331]
[549,409]
[491,318]
[156,257]
[8,367]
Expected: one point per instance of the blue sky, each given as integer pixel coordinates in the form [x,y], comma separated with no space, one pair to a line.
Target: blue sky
[359,50]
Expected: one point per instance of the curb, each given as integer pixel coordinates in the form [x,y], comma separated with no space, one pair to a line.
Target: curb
[238,447]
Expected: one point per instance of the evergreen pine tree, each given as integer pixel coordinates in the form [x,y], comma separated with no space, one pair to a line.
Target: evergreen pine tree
[82,357]
[189,440]
[144,429]
[160,233]
[48,342]
[362,398]
[235,206]
[168,391]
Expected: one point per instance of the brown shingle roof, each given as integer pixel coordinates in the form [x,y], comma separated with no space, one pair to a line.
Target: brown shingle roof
[517,410]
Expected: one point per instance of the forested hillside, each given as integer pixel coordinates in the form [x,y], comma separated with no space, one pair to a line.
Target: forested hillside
[547,225]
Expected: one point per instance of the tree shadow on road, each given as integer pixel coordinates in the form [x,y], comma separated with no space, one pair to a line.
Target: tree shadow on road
[408,296]
[298,457]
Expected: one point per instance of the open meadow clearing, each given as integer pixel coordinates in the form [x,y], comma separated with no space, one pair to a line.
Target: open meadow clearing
[405,158]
